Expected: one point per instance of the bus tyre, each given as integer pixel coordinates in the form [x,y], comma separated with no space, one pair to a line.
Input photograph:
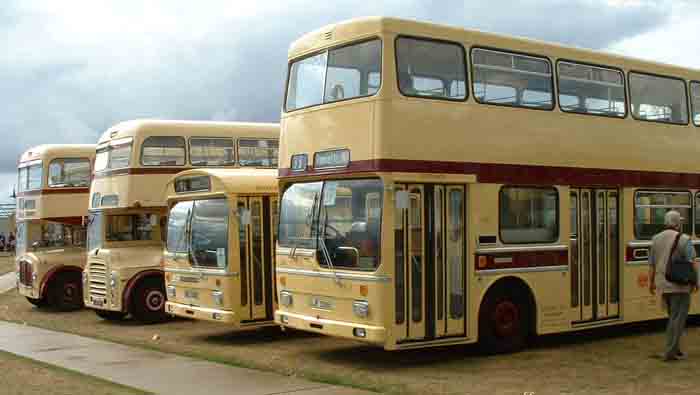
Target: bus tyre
[148,301]
[504,322]
[41,302]
[110,315]
[65,292]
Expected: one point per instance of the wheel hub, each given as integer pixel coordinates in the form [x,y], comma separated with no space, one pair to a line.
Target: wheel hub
[506,318]
[69,292]
[155,300]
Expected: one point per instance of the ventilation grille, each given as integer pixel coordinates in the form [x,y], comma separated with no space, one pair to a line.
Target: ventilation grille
[97,279]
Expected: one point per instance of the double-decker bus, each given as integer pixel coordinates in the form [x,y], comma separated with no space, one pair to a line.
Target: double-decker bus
[52,205]
[219,256]
[442,186]
[128,209]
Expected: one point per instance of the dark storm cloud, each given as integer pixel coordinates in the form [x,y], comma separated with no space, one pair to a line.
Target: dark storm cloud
[62,84]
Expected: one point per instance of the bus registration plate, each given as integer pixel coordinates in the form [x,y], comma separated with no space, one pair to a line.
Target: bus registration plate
[321,304]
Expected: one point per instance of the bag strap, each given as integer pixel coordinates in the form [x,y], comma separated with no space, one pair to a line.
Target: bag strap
[673,248]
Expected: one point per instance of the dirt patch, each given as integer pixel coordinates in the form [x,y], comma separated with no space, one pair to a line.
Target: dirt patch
[24,376]
[607,361]
[7,264]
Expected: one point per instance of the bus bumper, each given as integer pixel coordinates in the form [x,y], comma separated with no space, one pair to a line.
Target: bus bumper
[28,291]
[101,303]
[201,313]
[366,333]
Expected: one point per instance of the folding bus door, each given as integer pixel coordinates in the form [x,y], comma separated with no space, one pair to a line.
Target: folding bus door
[256,257]
[430,281]
[595,267]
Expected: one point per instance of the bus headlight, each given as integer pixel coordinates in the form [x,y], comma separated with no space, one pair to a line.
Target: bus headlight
[113,280]
[218,297]
[360,308]
[171,291]
[286,298]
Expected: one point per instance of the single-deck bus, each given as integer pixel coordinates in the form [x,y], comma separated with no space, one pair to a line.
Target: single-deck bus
[52,205]
[219,257]
[126,229]
[441,185]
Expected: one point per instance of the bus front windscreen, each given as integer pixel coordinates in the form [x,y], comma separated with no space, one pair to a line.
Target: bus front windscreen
[338,74]
[340,219]
[94,231]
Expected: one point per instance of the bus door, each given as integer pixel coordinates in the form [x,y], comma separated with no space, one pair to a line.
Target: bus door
[595,261]
[256,258]
[430,262]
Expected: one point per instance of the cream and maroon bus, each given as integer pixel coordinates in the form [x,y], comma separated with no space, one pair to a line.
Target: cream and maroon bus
[219,256]
[52,205]
[128,203]
[442,186]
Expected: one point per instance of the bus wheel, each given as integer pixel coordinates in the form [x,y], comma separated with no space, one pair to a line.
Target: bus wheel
[148,302]
[110,315]
[504,322]
[65,292]
[41,302]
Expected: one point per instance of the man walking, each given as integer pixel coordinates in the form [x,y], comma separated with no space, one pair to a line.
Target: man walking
[674,297]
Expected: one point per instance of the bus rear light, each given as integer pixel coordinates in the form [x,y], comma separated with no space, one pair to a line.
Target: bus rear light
[364,290]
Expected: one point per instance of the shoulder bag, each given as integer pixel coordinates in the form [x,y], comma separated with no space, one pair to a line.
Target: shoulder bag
[679,270]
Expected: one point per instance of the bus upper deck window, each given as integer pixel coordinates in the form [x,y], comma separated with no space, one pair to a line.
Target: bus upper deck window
[658,99]
[695,99]
[338,74]
[432,69]
[163,151]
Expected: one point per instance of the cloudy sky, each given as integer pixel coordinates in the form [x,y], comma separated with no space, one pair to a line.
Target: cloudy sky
[70,69]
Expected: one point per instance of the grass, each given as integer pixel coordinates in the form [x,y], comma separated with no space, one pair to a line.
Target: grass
[20,375]
[606,361]
[7,264]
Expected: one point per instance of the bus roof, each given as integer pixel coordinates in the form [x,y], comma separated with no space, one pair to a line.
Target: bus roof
[149,127]
[51,151]
[354,29]
[237,181]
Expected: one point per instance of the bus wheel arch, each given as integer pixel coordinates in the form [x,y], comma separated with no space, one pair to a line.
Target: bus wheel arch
[62,288]
[507,316]
[144,297]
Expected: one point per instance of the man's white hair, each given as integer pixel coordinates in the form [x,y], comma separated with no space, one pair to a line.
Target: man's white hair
[672,219]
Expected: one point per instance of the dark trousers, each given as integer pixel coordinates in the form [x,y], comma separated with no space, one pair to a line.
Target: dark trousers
[677,305]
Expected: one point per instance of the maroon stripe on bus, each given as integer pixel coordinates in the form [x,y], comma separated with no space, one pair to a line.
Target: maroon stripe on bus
[54,191]
[521,259]
[523,174]
[66,220]
[140,171]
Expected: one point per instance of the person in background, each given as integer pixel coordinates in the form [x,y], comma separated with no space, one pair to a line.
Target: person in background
[675,298]
[11,242]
